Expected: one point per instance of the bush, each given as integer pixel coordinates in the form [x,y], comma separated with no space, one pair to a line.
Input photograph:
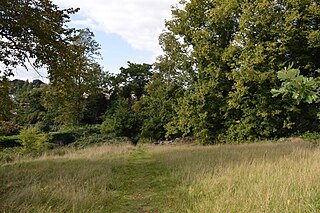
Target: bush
[31,140]
[109,127]
[9,141]
[122,121]
[86,130]
[69,135]
[98,139]
[313,137]
[43,126]
[8,128]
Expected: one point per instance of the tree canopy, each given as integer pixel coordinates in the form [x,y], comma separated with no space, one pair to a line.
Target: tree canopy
[33,32]
[230,52]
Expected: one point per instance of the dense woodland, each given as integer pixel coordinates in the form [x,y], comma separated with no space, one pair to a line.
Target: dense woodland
[232,71]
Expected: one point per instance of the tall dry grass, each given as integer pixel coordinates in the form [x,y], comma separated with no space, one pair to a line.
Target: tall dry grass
[71,181]
[71,153]
[247,178]
[264,177]
[93,153]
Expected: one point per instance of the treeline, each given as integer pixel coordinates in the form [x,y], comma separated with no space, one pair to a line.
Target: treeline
[218,81]
[227,55]
[49,108]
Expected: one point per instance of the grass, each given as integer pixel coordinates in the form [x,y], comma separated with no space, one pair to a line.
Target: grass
[266,177]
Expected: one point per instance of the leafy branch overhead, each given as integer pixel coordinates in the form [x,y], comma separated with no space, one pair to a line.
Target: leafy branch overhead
[33,32]
[299,87]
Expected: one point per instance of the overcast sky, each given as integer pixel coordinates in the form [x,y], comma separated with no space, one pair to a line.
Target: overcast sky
[127,30]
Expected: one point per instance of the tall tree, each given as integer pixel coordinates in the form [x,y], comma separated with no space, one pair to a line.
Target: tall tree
[231,51]
[127,88]
[82,78]
[131,81]
[156,106]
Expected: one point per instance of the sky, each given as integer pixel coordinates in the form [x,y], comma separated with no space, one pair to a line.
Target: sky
[127,30]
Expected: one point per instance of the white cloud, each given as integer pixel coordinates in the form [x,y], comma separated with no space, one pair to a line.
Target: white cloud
[29,73]
[139,22]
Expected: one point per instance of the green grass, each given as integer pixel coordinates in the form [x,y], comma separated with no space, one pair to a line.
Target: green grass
[241,178]
[131,181]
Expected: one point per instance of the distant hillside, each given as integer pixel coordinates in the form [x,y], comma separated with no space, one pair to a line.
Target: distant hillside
[17,85]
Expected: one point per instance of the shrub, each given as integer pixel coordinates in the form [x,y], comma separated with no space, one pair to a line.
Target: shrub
[109,127]
[69,135]
[313,137]
[43,126]
[9,141]
[31,140]
[86,130]
[98,139]
[8,128]
[122,121]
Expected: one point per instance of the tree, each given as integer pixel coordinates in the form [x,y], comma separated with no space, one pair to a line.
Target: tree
[16,86]
[96,106]
[227,54]
[125,89]
[5,100]
[30,108]
[34,32]
[122,120]
[82,78]
[131,81]
[156,106]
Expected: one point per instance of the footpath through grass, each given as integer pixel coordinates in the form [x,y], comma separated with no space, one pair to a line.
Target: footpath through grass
[131,182]
[264,177]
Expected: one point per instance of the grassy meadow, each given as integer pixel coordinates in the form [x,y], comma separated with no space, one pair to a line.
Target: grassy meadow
[261,177]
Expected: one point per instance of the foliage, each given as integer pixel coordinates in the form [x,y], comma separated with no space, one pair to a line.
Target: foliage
[301,88]
[126,90]
[81,131]
[30,107]
[156,107]
[9,128]
[34,32]
[9,141]
[131,81]
[313,137]
[122,121]
[33,141]
[227,54]
[97,139]
[221,60]
[67,94]
[96,106]
[5,100]
[71,134]
[16,86]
